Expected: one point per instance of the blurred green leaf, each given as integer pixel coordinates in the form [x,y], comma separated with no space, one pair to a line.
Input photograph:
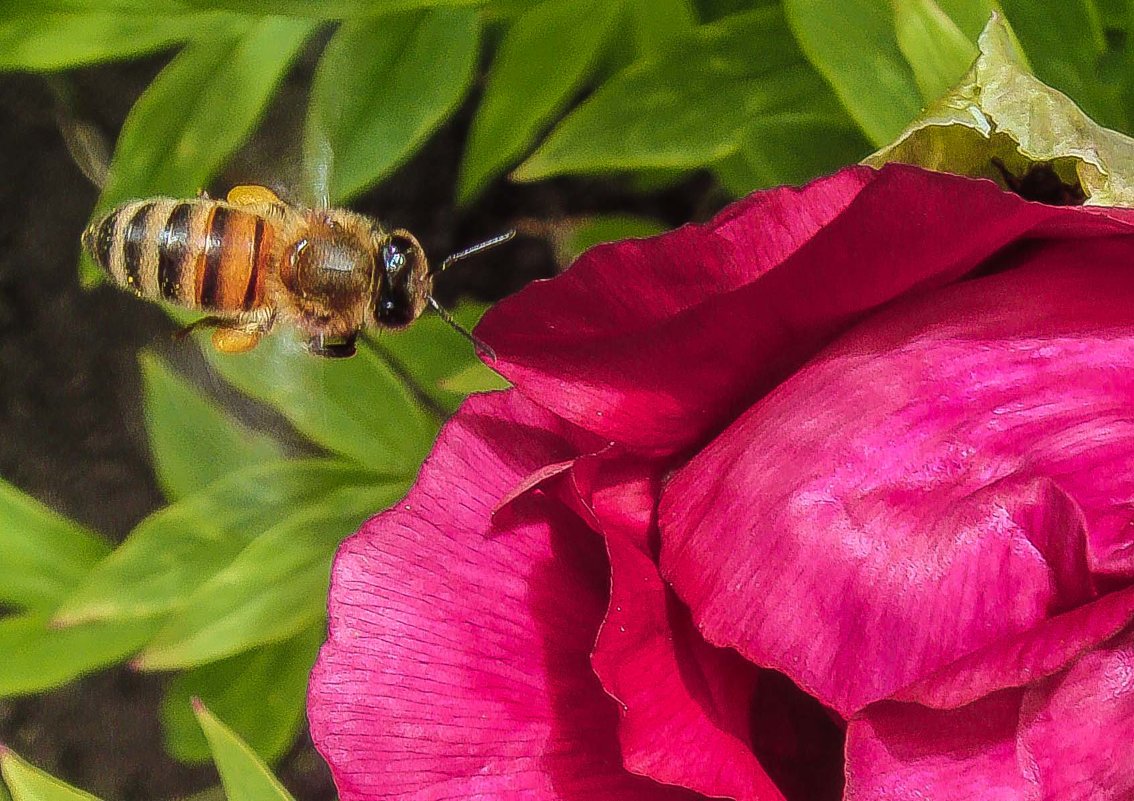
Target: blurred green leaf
[1115,14]
[1065,43]
[936,49]
[332,9]
[44,555]
[361,407]
[46,39]
[198,110]
[40,657]
[381,88]
[689,106]
[474,378]
[854,45]
[606,228]
[28,783]
[259,692]
[173,551]
[430,351]
[655,22]
[792,148]
[193,442]
[526,89]
[244,776]
[274,589]
[970,15]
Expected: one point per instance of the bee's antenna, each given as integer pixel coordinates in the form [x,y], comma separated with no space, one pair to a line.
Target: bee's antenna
[443,313]
[464,254]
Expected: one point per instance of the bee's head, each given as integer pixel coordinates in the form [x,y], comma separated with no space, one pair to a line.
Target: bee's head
[404,281]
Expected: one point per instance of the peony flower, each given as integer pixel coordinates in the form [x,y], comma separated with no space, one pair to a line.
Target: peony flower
[830,497]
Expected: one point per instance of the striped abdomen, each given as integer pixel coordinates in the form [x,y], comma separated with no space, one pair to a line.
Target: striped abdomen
[200,253]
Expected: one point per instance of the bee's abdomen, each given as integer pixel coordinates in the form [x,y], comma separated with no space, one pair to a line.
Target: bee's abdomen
[199,253]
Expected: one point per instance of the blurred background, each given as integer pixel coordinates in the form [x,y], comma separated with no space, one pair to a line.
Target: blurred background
[168,515]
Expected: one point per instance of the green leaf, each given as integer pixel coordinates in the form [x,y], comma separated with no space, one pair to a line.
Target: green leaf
[244,776]
[259,692]
[194,442]
[605,228]
[40,657]
[361,407]
[655,22]
[54,40]
[936,49]
[199,110]
[970,15]
[44,554]
[431,352]
[854,46]
[689,106]
[526,89]
[274,589]
[332,9]
[27,783]
[381,88]
[172,552]
[792,148]
[474,378]
[1002,113]
[1065,43]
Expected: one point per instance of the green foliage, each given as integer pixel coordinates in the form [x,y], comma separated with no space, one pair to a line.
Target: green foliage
[177,413]
[259,692]
[689,105]
[525,89]
[27,783]
[226,585]
[45,555]
[383,86]
[243,774]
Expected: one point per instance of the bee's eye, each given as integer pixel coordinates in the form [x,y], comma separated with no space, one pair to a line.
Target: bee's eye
[396,254]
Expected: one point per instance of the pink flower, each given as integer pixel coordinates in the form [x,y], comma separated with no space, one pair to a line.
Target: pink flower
[839,486]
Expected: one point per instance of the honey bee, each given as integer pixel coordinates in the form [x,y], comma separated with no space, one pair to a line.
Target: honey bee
[251,261]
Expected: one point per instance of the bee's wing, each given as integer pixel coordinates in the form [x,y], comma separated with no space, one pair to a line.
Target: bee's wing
[318,161]
[87,145]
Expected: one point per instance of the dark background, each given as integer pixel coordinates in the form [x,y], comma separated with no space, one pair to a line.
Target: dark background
[71,429]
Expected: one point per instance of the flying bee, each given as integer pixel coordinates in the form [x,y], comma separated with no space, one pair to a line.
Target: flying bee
[252,260]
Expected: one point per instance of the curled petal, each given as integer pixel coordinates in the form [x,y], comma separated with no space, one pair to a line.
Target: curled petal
[935,482]
[457,664]
[685,706]
[659,343]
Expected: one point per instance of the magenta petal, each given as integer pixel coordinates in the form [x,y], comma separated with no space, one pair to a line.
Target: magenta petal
[1027,657]
[905,752]
[686,706]
[932,484]
[657,343]
[457,664]
[1078,729]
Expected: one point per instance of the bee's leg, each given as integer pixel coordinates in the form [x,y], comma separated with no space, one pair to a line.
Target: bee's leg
[243,333]
[252,195]
[204,322]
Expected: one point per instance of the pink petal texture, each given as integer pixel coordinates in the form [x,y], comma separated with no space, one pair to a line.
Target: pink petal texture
[1078,728]
[1067,738]
[686,706]
[658,343]
[942,479]
[458,659]
[904,752]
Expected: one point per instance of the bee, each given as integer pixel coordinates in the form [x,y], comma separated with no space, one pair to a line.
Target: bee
[251,261]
